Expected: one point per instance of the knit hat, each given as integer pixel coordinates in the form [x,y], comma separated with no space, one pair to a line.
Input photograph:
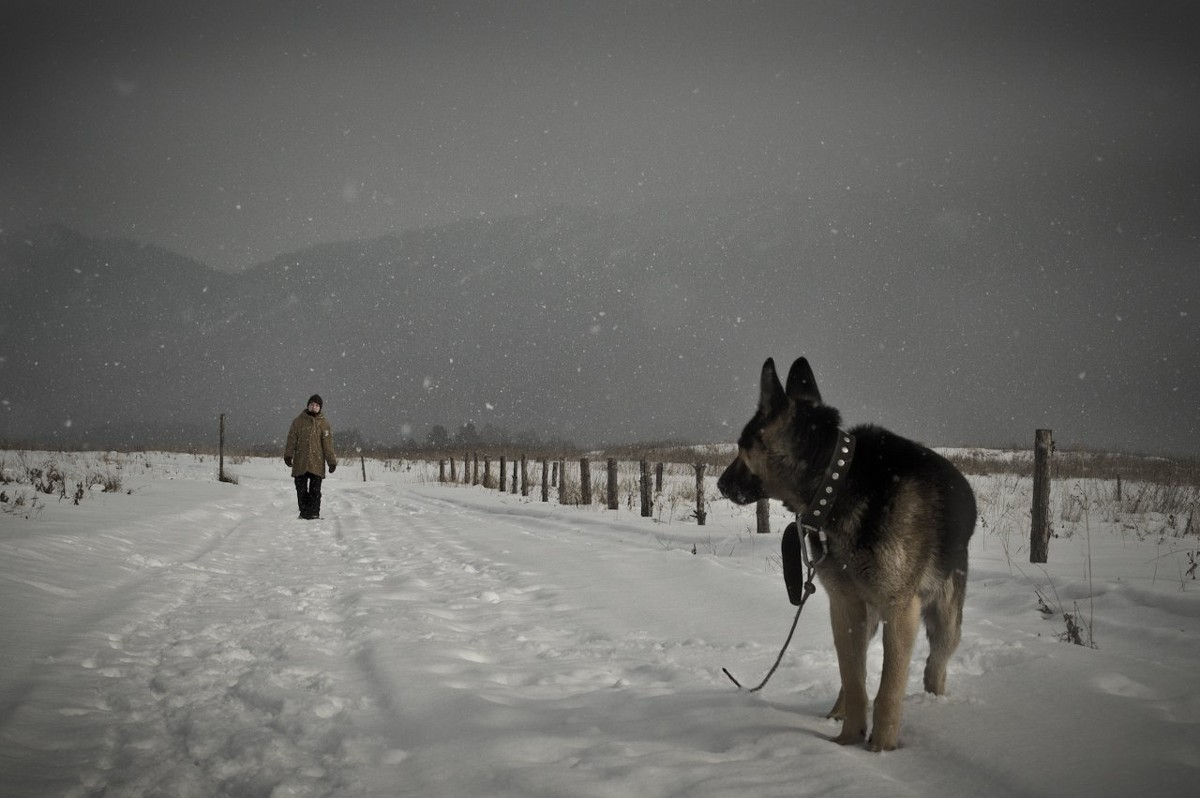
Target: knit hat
[314,398]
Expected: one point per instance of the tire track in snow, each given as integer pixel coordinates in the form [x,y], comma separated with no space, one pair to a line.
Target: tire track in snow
[479,650]
[107,601]
[265,661]
[225,672]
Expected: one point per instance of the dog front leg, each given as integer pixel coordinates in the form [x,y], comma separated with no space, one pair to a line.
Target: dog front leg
[848,614]
[901,624]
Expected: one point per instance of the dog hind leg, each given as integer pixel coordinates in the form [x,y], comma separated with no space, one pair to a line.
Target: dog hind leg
[943,625]
[849,616]
[901,624]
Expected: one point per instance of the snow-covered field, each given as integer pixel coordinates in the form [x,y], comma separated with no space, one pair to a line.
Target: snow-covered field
[184,637]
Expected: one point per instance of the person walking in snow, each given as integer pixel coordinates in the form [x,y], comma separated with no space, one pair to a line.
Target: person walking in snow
[309,447]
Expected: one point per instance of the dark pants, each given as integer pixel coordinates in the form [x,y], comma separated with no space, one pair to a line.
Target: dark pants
[308,495]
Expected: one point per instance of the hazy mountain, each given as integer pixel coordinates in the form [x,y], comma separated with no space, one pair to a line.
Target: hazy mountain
[950,321]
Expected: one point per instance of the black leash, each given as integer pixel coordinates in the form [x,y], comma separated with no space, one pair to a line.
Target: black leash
[811,547]
[791,537]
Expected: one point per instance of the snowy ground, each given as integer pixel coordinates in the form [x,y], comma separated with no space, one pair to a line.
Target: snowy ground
[184,637]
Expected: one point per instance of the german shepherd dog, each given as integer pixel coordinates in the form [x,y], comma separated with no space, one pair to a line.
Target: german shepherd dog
[894,527]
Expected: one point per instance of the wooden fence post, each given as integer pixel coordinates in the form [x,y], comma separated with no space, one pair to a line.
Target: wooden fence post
[453,475]
[545,480]
[442,470]
[612,483]
[524,476]
[762,510]
[563,496]
[658,475]
[700,514]
[1039,536]
[503,473]
[647,504]
[475,469]
[585,481]
[221,450]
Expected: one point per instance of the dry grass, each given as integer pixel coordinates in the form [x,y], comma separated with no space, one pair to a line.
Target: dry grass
[1082,465]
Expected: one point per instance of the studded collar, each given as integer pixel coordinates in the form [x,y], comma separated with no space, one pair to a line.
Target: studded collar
[813,521]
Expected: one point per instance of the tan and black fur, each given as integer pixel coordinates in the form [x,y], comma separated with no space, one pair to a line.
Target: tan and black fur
[897,540]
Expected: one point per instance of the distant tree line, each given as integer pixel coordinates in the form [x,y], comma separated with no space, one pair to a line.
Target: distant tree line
[469,436]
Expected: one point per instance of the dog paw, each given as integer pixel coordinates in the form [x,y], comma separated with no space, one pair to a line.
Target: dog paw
[838,712]
[879,743]
[850,737]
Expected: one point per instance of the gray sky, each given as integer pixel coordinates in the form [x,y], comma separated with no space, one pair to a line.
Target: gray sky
[234,131]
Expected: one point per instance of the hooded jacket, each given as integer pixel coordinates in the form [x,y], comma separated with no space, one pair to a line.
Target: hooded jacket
[310,445]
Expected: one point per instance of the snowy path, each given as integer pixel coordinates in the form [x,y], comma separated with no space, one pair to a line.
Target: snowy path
[374,651]
[425,641]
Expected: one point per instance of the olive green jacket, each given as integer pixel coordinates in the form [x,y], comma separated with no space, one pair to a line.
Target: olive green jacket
[309,445]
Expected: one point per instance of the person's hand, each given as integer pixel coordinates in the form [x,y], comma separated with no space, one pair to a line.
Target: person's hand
[332,467]
[287,461]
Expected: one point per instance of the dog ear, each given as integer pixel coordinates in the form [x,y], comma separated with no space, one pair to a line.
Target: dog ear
[801,384]
[771,397]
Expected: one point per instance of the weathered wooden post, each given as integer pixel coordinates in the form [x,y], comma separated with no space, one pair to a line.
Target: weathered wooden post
[221,452]
[554,475]
[442,469]
[612,483]
[1039,536]
[658,475]
[503,473]
[475,468]
[762,511]
[563,495]
[524,475]
[700,514]
[647,504]
[545,480]
[453,475]
[585,481]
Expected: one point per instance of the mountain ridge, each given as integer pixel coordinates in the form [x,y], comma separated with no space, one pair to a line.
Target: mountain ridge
[581,324]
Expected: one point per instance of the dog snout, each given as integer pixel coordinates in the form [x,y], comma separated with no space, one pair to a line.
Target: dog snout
[739,485]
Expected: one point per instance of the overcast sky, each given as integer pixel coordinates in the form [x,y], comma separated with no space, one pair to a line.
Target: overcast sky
[234,131]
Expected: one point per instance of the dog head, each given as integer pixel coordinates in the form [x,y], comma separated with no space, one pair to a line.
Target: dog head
[779,443]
